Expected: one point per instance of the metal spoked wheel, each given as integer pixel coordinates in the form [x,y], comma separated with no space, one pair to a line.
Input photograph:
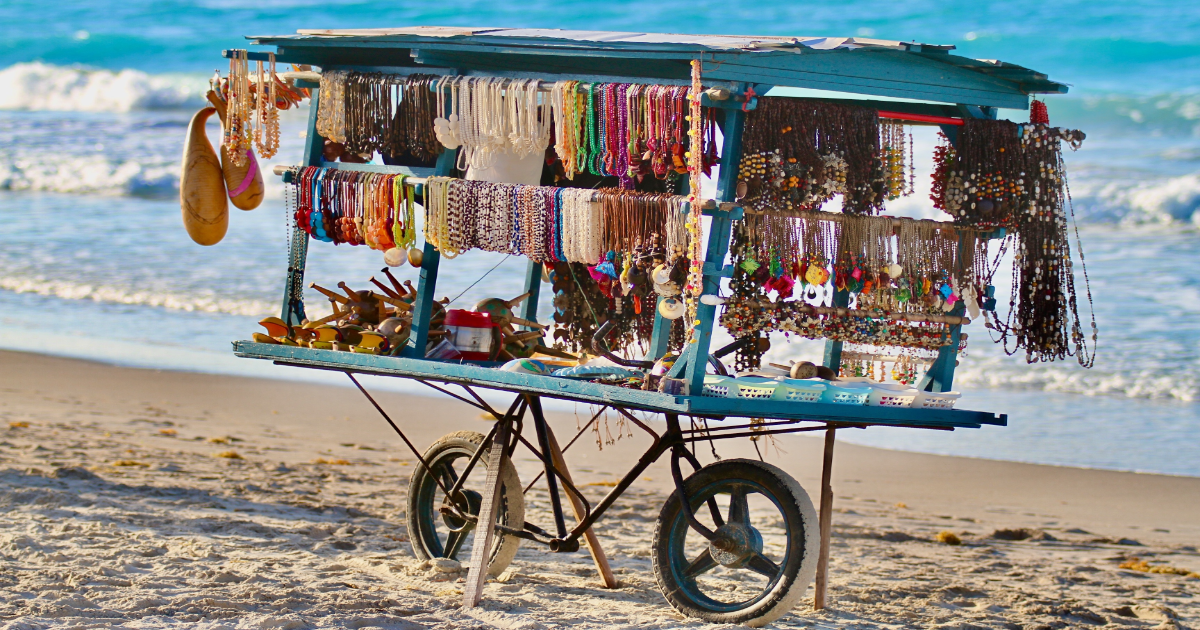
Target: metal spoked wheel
[435,534]
[764,554]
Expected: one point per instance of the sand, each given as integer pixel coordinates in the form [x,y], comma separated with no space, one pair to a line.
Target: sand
[117,509]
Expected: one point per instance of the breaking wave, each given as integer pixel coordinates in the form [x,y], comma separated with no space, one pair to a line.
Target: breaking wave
[201,302]
[95,174]
[37,86]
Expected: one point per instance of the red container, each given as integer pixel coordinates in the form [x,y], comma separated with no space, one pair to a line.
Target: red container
[471,333]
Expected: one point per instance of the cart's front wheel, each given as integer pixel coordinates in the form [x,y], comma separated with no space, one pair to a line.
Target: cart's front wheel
[438,533]
[764,554]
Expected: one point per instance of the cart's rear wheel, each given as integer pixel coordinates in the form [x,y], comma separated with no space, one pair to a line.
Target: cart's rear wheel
[765,553]
[434,534]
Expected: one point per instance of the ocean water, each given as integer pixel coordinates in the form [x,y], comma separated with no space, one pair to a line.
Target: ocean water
[94,262]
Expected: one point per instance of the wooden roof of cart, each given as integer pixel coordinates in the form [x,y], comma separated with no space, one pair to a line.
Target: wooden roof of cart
[842,64]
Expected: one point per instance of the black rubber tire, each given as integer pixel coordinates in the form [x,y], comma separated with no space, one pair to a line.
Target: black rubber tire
[795,571]
[423,519]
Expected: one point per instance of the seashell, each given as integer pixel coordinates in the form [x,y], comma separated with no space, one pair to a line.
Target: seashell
[415,257]
[395,257]
[661,275]
[712,300]
[671,308]
[201,186]
[895,270]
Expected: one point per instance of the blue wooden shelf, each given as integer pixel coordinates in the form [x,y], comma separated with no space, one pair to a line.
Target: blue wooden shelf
[596,393]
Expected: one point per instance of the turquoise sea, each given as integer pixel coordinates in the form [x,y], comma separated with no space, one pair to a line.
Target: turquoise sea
[95,97]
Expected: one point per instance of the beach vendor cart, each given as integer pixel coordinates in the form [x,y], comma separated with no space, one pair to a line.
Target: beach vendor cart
[585,152]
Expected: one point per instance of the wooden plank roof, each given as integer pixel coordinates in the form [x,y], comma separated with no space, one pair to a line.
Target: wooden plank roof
[844,64]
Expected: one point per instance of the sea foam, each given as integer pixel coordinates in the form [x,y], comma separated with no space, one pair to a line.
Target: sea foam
[196,301]
[37,86]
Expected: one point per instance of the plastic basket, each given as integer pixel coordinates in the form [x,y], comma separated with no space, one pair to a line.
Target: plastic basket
[794,390]
[936,400]
[846,395]
[891,395]
[756,387]
[718,386]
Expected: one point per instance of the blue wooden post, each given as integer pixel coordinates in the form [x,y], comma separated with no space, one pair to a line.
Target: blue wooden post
[661,335]
[423,305]
[940,376]
[533,286]
[293,291]
[833,349]
[718,247]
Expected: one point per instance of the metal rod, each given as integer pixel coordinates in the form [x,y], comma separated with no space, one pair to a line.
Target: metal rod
[657,448]
[573,493]
[925,118]
[539,424]
[568,446]
[701,438]
[395,428]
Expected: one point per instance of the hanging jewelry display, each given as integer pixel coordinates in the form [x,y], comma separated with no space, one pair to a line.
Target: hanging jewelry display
[375,112]
[240,109]
[798,154]
[903,276]
[1008,175]
[585,297]
[695,279]
[331,106]
[899,169]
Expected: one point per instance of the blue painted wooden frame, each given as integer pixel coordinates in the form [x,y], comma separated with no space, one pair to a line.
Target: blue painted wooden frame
[595,393]
[810,69]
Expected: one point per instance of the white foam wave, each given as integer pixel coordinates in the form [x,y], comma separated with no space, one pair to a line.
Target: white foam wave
[1166,201]
[87,174]
[39,86]
[202,302]
[1001,374]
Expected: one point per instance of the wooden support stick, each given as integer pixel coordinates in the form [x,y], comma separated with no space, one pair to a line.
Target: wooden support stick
[350,292]
[395,283]
[485,526]
[340,299]
[826,522]
[386,290]
[325,320]
[593,542]
[526,322]
[398,303]
[517,300]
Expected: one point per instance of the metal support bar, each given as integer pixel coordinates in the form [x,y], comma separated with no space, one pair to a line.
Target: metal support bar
[651,455]
[539,424]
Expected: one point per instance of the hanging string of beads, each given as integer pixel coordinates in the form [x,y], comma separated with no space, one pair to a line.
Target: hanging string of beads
[375,112]
[798,154]
[899,170]
[1003,174]
[239,110]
